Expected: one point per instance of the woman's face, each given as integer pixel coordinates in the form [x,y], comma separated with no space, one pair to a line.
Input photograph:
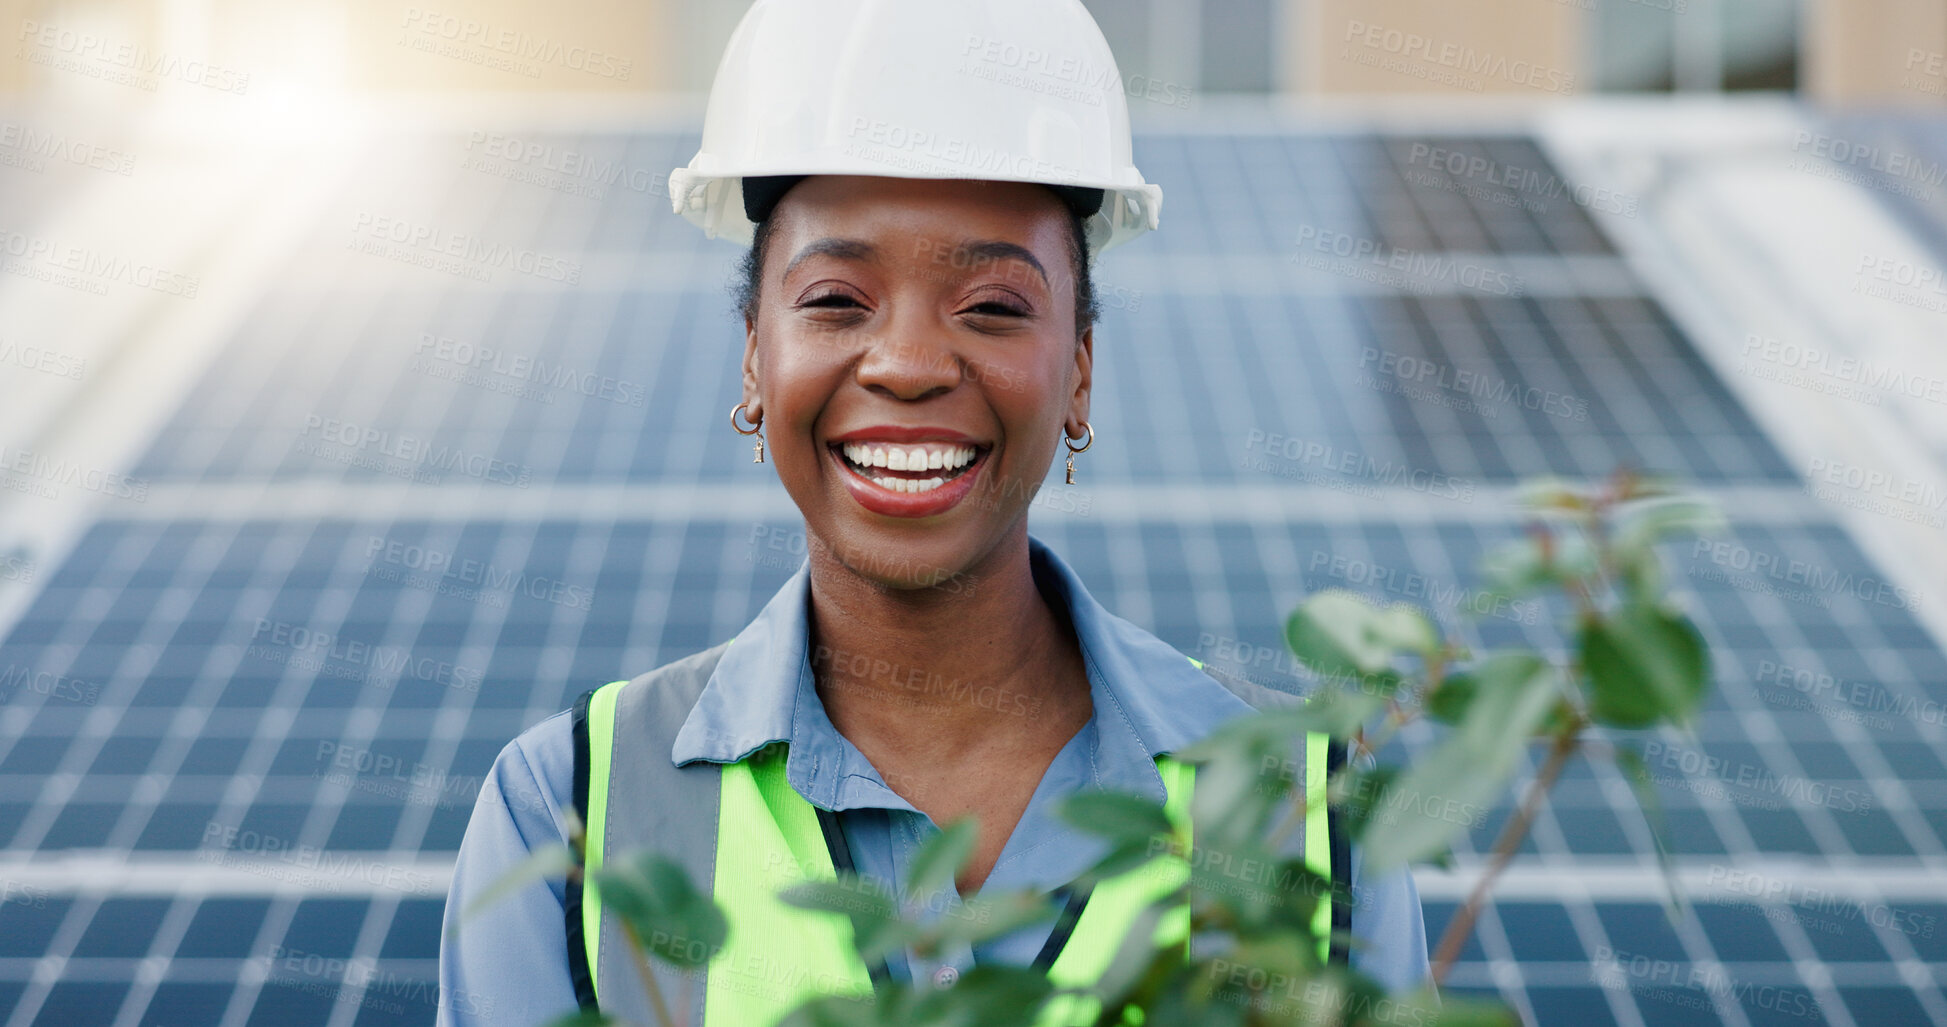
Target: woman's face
[915,363]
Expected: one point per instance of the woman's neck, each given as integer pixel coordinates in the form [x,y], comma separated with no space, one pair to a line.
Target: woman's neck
[950,673]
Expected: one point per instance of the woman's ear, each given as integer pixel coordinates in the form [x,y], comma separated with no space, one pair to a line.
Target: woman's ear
[1084,367]
[755,407]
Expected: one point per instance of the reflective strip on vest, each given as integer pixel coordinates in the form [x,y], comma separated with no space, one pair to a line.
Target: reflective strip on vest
[768,837]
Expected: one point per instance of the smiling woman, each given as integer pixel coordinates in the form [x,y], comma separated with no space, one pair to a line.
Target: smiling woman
[919,335]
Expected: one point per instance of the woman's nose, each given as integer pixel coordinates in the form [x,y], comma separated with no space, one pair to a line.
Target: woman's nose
[911,361]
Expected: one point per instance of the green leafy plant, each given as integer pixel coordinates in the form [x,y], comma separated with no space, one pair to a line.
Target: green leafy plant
[1635,661]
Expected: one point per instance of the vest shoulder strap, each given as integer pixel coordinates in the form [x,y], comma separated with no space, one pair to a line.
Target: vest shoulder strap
[1322,758]
[654,805]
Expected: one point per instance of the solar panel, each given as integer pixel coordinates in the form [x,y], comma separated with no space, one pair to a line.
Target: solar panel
[283,674]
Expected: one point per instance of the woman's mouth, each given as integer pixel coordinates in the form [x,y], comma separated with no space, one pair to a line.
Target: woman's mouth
[908,479]
[908,468]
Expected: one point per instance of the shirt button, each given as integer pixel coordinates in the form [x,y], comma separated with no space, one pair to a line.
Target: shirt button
[945,976]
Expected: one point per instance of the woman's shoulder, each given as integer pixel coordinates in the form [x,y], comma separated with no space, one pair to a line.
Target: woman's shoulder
[545,752]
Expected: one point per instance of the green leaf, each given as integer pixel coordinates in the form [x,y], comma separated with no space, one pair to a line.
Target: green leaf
[586,1018]
[876,925]
[1644,785]
[676,923]
[1118,816]
[1435,1010]
[1644,665]
[1449,790]
[1362,791]
[1340,633]
[851,895]
[991,994]
[1551,493]
[547,862]
[1404,627]
[1644,524]
[939,860]
[990,916]
[840,1011]
[1120,860]
[1448,703]
[1514,569]
[1133,955]
[1331,710]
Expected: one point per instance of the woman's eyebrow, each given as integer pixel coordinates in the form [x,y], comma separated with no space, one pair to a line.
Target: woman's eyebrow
[843,249]
[996,249]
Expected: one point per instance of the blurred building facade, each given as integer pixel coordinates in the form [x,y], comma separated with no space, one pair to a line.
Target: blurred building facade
[1170,51]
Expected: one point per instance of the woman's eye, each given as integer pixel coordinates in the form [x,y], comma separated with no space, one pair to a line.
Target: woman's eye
[997,307]
[833,299]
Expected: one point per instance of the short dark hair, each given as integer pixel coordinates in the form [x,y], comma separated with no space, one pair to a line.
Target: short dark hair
[749,281]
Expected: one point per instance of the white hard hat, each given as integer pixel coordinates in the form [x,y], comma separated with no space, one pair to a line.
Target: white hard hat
[1000,90]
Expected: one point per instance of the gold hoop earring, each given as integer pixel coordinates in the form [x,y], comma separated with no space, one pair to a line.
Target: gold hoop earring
[1073,449]
[756,428]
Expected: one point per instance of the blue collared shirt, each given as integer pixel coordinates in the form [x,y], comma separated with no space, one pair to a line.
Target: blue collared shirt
[1148,700]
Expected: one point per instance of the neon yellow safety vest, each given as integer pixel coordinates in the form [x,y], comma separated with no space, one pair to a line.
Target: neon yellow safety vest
[762,836]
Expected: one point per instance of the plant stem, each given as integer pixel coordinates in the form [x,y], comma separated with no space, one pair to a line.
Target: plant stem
[1504,848]
[648,977]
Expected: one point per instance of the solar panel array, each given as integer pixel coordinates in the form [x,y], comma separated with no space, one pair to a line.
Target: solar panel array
[283,663]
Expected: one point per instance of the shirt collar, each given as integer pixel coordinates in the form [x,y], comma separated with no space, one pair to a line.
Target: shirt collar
[1149,698]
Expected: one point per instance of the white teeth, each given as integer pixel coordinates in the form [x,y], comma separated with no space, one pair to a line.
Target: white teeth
[930,457]
[910,484]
